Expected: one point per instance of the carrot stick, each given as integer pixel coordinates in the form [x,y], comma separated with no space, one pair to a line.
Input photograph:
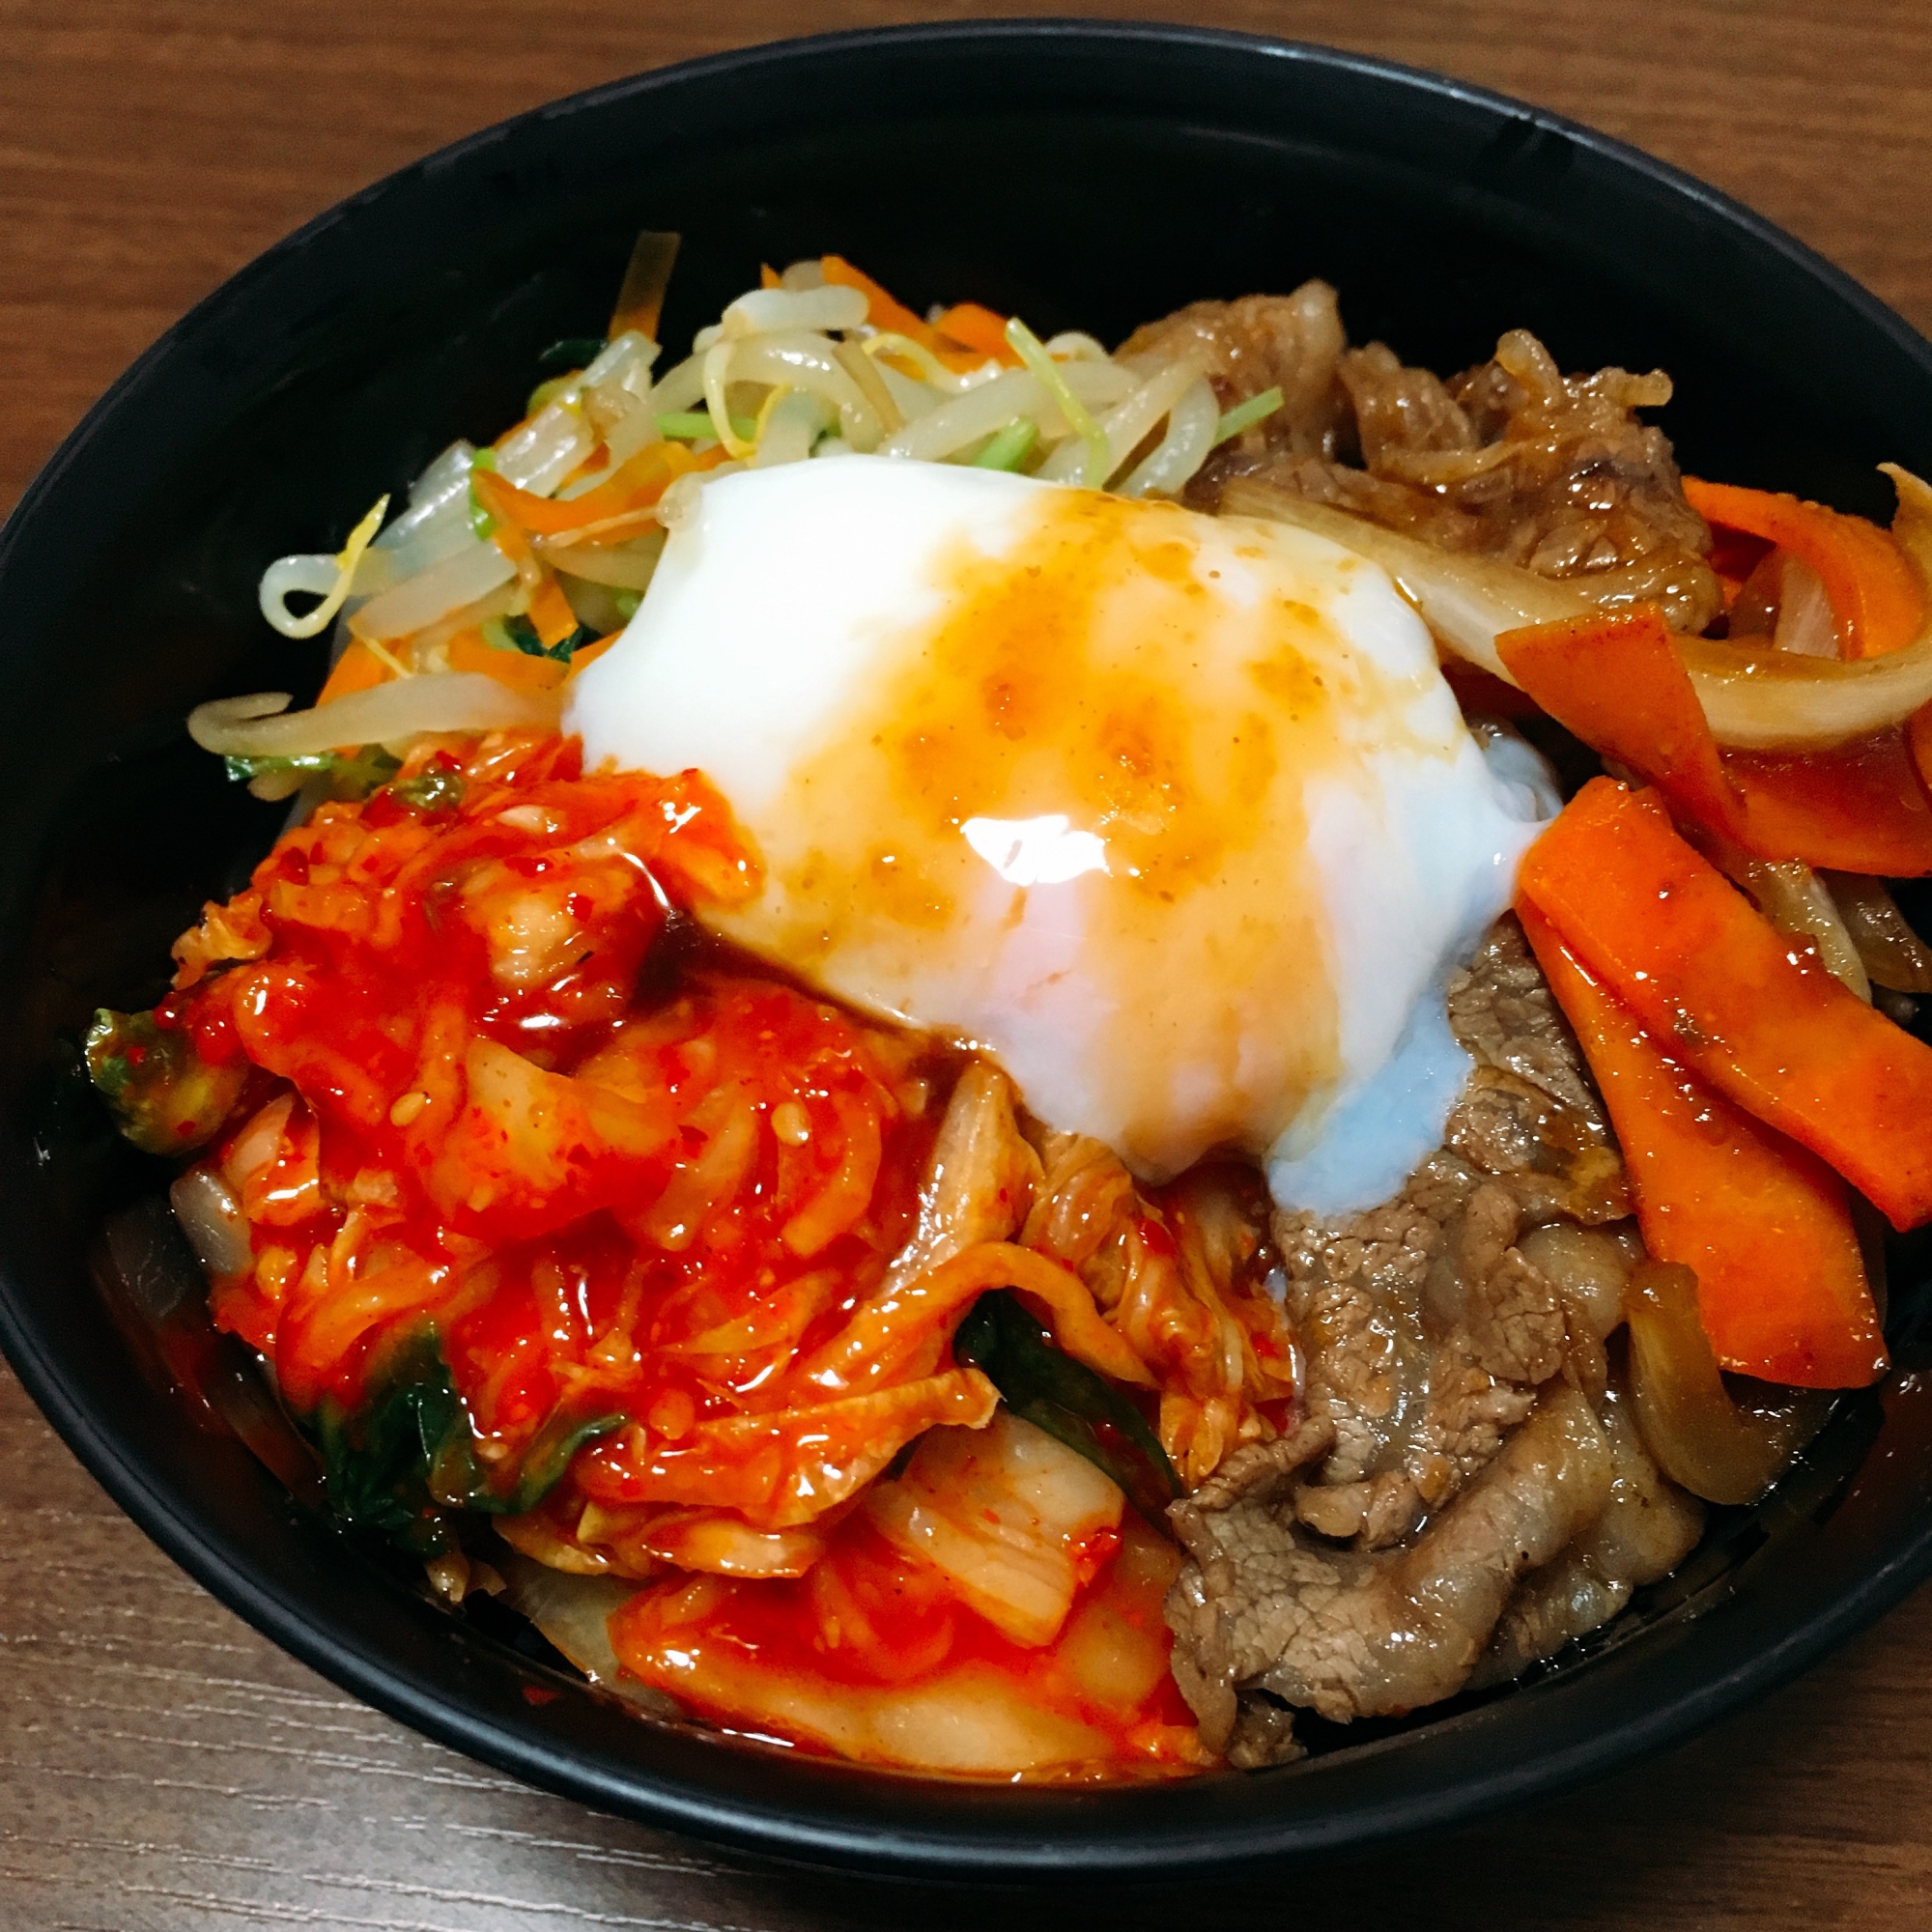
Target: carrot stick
[883,312]
[636,485]
[516,670]
[1709,978]
[979,328]
[1875,593]
[1763,1223]
[1617,682]
[1858,808]
[358,668]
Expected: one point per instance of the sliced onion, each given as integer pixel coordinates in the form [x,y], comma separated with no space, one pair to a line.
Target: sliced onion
[1796,900]
[1701,1436]
[262,726]
[1761,699]
[1894,955]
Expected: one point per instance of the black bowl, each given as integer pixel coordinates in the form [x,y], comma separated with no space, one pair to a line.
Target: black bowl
[1077,173]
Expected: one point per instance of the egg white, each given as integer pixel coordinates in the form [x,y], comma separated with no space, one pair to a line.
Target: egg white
[792,599]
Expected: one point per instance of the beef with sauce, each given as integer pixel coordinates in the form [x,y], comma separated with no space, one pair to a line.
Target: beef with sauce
[1467,1490]
[1511,459]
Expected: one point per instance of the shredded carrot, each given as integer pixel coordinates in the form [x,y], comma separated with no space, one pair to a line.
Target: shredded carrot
[885,312]
[1752,1014]
[1762,1222]
[1875,593]
[358,668]
[589,654]
[1617,682]
[980,329]
[769,277]
[551,615]
[882,310]
[636,485]
[468,650]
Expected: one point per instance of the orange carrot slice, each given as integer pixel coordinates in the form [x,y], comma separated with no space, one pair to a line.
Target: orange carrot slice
[882,311]
[978,328]
[636,485]
[1875,593]
[1858,808]
[1763,1223]
[1617,682]
[517,669]
[358,668]
[1719,985]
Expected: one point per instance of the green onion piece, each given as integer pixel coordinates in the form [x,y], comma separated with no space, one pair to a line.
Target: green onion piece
[407,1455]
[1032,351]
[625,603]
[480,519]
[163,1095]
[435,788]
[1008,447]
[695,426]
[1245,416]
[349,774]
[1044,1386]
[548,392]
[519,633]
[572,354]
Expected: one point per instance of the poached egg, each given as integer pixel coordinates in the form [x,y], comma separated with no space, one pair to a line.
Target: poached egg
[1173,815]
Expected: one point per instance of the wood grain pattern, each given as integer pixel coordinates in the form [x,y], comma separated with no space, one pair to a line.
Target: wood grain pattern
[163,1768]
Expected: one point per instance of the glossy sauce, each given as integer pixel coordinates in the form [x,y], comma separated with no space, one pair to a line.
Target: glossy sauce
[1055,790]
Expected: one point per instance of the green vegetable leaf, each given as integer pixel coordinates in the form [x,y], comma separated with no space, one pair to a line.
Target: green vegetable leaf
[480,519]
[1007,448]
[571,352]
[1245,416]
[349,774]
[163,1095]
[519,633]
[436,788]
[1032,351]
[697,426]
[1045,1386]
[406,1459]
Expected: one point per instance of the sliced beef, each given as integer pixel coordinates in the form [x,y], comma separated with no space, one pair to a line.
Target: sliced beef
[1292,343]
[1467,1491]
[1511,459]
[1263,1607]
[1647,1527]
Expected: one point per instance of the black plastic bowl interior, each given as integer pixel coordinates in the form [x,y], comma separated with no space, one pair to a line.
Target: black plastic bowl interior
[1079,175]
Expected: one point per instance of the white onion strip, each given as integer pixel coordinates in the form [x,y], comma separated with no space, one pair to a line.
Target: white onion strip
[262,726]
[1760,700]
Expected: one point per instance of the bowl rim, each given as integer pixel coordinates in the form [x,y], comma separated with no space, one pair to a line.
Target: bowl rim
[1000,1844]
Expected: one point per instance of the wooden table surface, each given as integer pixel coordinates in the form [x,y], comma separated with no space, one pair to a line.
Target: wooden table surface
[162,1766]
